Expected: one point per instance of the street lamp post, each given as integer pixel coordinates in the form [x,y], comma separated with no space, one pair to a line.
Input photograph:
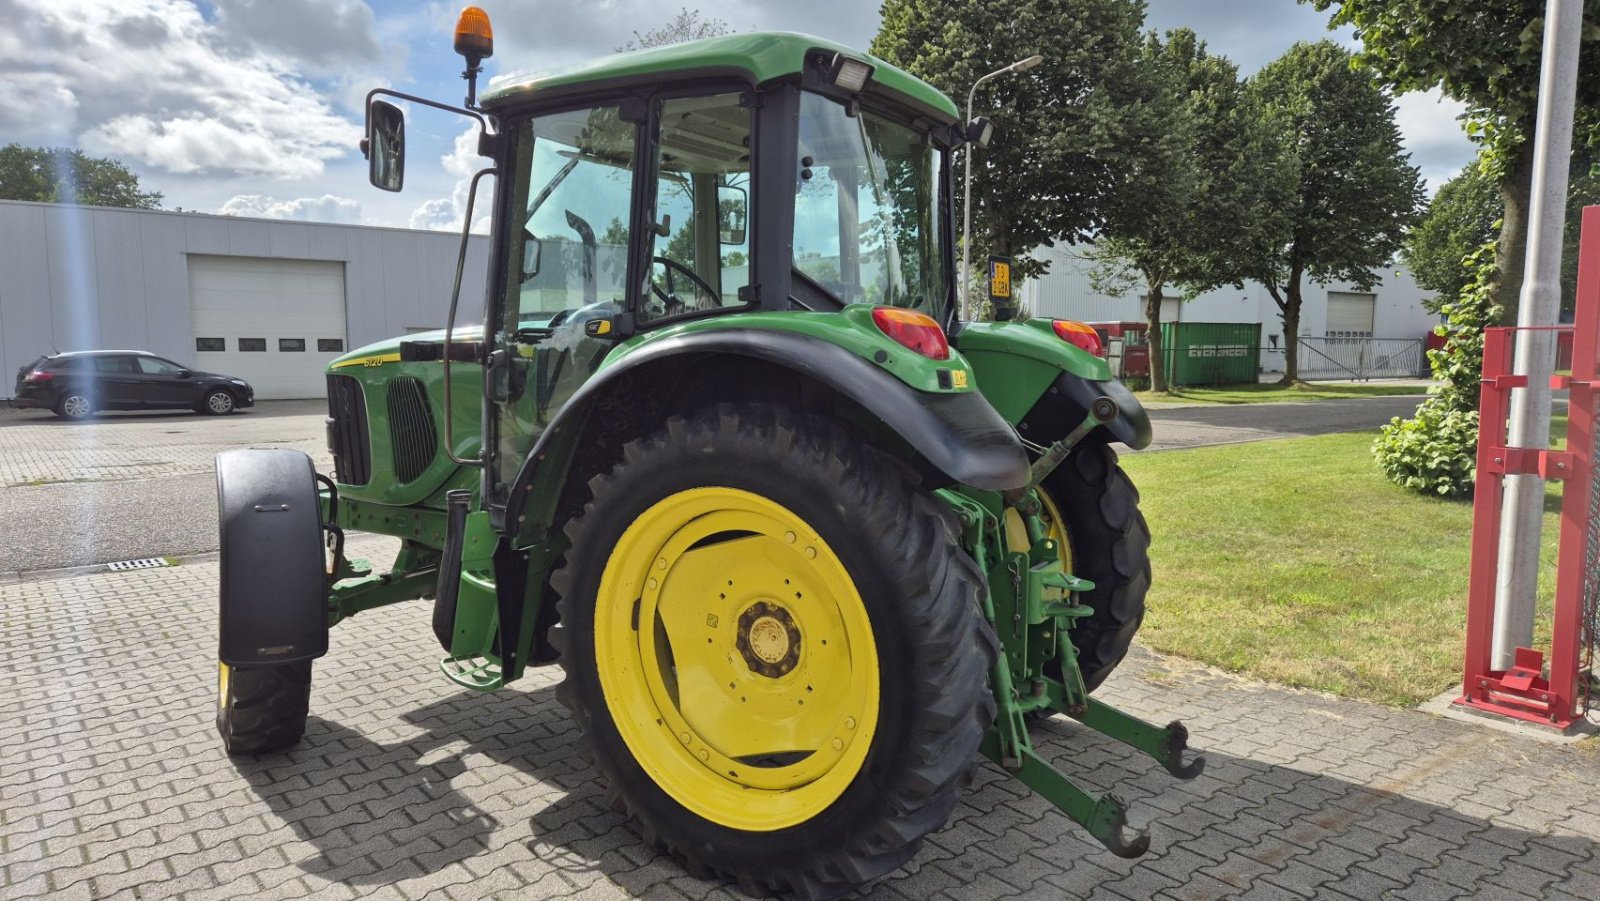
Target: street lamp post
[1021,65]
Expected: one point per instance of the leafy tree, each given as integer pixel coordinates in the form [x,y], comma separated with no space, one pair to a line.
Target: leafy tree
[1068,133]
[66,175]
[1354,193]
[1203,192]
[1463,215]
[1485,53]
[687,25]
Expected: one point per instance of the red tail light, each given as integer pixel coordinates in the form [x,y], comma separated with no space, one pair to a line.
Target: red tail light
[37,376]
[1079,335]
[915,331]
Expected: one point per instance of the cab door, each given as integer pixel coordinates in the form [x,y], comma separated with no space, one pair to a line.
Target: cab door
[568,218]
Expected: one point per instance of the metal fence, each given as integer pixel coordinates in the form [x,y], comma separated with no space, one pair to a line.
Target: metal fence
[1357,359]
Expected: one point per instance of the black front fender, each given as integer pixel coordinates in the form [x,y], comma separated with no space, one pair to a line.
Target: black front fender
[274,592]
[960,435]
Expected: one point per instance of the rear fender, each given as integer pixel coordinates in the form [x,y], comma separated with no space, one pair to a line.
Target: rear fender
[959,434]
[274,591]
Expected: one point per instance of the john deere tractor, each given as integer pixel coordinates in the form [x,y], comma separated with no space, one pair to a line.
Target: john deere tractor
[803,542]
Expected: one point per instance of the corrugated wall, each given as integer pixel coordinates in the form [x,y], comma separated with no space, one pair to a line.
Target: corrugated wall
[87,278]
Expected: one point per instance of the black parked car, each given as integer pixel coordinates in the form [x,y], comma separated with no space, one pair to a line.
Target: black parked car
[78,384]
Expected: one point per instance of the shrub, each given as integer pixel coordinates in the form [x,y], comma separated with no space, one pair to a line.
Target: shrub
[1431,453]
[1435,451]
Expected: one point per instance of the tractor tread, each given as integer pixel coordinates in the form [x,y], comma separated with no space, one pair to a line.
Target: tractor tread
[950,708]
[266,707]
[1110,547]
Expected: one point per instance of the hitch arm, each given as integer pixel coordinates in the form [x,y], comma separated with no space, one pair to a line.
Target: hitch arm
[1104,817]
[1165,744]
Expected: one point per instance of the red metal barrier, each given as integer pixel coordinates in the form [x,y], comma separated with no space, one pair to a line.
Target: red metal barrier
[1524,692]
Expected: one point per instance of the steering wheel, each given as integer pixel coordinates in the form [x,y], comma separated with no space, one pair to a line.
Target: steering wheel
[670,295]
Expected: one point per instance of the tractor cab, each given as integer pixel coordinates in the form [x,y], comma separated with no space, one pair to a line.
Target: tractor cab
[788,174]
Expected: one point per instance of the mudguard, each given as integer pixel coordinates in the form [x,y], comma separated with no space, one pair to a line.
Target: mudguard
[1067,403]
[960,435]
[274,593]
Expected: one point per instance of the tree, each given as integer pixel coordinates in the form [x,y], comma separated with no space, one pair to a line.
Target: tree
[1463,215]
[65,175]
[1486,54]
[1204,189]
[687,25]
[1354,193]
[1066,133]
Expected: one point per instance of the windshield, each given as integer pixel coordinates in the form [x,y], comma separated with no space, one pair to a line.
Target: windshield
[867,209]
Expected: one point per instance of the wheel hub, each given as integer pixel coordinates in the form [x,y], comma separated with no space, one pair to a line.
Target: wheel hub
[769,640]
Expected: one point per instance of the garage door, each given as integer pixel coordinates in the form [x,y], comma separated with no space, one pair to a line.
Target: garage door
[274,323]
[1350,314]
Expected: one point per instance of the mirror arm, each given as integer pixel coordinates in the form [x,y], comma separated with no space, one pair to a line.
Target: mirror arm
[483,124]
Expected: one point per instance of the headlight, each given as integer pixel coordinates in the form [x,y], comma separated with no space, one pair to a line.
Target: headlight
[240,382]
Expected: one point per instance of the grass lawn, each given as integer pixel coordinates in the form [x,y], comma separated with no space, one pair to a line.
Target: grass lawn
[1296,562]
[1275,394]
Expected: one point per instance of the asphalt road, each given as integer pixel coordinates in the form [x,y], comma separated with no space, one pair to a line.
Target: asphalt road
[132,485]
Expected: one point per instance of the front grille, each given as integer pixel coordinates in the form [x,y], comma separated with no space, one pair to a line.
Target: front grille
[411,434]
[347,431]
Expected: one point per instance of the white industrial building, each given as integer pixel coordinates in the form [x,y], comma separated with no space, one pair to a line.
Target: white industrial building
[1391,309]
[269,301]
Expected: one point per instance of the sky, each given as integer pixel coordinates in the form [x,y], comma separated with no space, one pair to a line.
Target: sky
[253,107]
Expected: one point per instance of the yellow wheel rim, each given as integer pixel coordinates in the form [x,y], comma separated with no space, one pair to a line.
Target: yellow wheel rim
[736,658]
[1057,530]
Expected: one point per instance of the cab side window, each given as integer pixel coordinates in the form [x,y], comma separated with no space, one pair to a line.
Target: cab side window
[701,254]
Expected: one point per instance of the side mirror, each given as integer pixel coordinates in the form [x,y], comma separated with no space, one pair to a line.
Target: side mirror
[532,255]
[184,374]
[385,145]
[733,211]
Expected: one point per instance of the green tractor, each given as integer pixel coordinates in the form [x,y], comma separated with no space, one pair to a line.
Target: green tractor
[803,541]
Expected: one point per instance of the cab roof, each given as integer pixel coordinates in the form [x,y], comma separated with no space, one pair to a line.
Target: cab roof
[757,57]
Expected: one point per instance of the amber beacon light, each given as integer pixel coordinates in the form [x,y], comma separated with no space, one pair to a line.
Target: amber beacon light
[475,42]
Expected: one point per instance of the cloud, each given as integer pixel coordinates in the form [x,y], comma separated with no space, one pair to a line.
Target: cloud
[328,36]
[1431,131]
[153,82]
[327,208]
[444,214]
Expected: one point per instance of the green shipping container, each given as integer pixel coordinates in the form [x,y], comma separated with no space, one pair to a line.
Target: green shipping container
[1203,354]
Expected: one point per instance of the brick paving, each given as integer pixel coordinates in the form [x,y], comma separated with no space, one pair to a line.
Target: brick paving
[113,785]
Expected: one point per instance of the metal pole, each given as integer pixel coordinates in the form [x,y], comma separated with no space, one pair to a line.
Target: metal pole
[1021,65]
[1516,588]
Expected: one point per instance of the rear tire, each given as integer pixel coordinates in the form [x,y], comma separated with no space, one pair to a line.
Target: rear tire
[1110,546]
[731,475]
[74,405]
[262,708]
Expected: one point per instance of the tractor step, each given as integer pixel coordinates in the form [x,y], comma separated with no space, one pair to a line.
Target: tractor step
[476,673]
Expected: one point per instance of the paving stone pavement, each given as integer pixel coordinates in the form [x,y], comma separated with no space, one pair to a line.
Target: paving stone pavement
[113,784]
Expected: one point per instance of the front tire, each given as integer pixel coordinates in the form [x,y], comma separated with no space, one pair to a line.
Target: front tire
[217,403]
[737,566]
[262,708]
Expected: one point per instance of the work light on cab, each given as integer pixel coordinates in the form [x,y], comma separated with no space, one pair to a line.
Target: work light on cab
[914,330]
[1079,335]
